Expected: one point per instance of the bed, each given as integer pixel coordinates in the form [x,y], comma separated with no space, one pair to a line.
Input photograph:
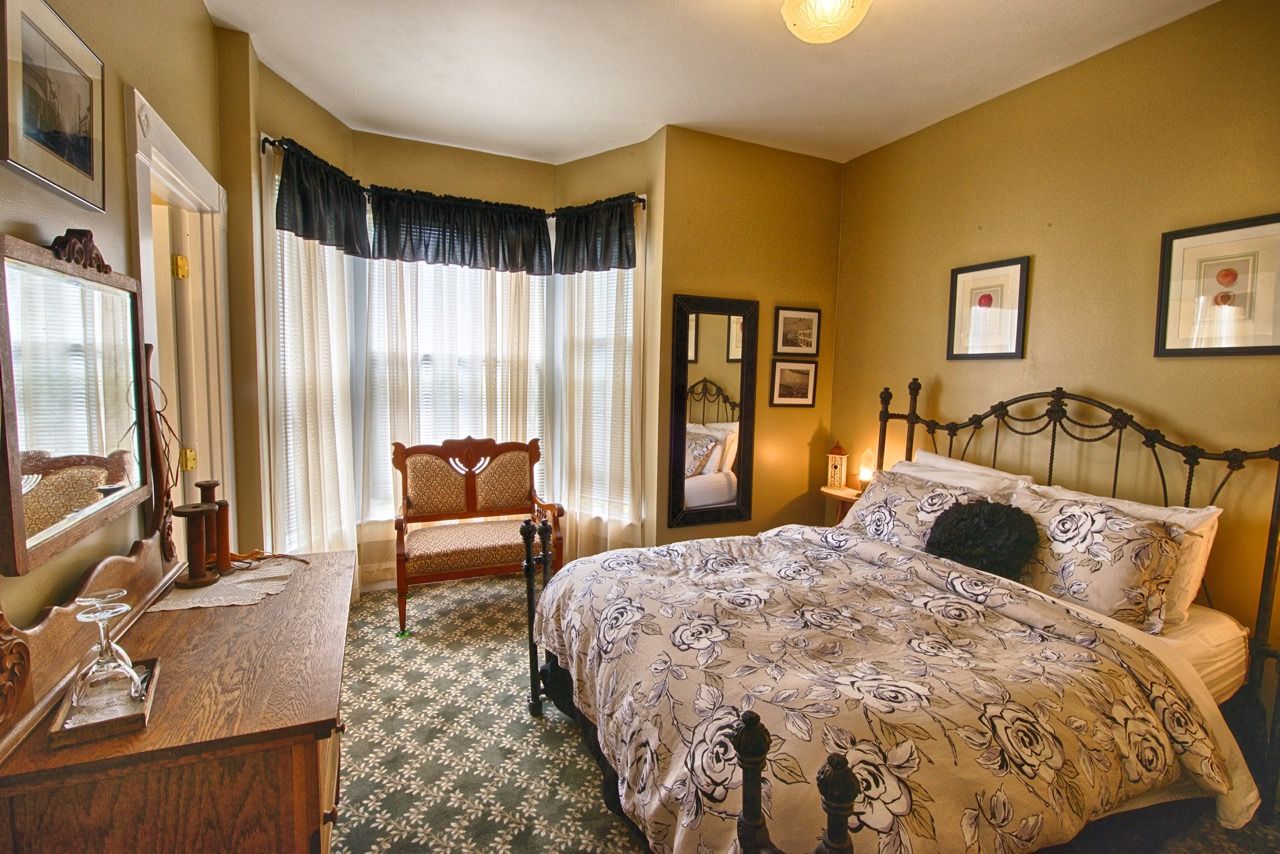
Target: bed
[748,691]
[711,447]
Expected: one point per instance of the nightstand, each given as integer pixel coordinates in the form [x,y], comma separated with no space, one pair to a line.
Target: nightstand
[843,496]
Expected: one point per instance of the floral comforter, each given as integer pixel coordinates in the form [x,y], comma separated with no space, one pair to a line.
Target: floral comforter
[976,713]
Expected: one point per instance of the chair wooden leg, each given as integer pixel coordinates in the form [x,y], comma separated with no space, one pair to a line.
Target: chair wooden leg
[402,595]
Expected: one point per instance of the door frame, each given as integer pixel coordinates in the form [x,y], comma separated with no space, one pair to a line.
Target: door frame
[164,165]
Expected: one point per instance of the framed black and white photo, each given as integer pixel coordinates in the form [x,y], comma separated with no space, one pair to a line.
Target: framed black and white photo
[795,331]
[733,346]
[988,310]
[1218,290]
[53,103]
[794,383]
[693,338]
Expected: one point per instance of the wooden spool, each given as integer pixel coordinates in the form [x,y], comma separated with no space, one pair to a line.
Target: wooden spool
[223,552]
[197,573]
[209,495]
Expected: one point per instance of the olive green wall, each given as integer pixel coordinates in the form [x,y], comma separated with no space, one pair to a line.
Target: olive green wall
[176,75]
[1083,171]
[747,222]
[713,357]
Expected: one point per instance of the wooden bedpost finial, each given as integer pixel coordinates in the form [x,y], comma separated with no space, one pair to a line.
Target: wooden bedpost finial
[838,787]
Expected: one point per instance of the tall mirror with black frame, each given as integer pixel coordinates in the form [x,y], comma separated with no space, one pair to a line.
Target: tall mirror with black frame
[713,384]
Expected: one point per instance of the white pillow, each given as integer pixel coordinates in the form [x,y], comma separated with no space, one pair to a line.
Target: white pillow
[727,432]
[1200,526]
[940,461]
[993,483]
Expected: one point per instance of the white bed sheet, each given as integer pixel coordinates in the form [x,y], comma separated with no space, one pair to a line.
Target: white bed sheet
[710,490]
[1216,646]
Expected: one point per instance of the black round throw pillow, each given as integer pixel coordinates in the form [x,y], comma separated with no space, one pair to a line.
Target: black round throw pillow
[992,537]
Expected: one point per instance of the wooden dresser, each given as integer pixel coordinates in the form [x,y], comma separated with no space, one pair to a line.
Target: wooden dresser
[241,753]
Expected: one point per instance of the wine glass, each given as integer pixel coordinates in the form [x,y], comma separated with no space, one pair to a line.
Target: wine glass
[102,597]
[107,667]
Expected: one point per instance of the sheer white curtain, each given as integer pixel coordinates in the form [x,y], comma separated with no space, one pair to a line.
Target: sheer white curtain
[449,352]
[596,453]
[73,344]
[311,506]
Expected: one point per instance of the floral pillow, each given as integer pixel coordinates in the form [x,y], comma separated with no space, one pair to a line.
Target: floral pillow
[900,509]
[1095,555]
[697,450]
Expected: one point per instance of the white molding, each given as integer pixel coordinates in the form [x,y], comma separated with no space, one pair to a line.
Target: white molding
[163,165]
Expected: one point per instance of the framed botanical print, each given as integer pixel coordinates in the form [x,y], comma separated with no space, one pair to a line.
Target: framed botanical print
[795,331]
[1218,289]
[988,310]
[53,128]
[794,383]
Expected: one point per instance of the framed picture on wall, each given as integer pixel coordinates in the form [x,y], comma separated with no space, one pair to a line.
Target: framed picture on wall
[1218,289]
[693,338]
[988,310]
[53,128]
[794,383]
[734,346]
[795,331]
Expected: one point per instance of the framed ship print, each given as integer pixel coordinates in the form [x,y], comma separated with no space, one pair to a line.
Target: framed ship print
[53,128]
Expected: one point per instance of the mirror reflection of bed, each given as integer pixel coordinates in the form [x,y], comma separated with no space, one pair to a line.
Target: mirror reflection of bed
[711,446]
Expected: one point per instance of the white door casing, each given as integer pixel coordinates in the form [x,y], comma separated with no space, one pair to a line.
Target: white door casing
[166,171]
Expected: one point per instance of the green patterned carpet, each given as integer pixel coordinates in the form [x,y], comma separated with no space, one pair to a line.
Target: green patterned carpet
[440,751]
[441,755]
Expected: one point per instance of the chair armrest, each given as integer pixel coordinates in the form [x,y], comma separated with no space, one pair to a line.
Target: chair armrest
[555,511]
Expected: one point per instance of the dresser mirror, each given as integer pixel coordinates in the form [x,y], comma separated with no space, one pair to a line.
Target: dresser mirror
[72,390]
[713,371]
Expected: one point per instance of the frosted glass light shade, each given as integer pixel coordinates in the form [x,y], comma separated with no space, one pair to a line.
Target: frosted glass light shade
[823,21]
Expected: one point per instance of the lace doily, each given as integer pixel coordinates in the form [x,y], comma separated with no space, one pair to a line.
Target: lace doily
[242,587]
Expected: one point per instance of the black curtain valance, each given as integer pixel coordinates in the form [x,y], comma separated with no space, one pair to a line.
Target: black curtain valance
[597,237]
[417,226]
[318,201]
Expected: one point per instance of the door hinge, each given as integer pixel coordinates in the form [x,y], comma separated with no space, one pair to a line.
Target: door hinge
[181,267]
[187,459]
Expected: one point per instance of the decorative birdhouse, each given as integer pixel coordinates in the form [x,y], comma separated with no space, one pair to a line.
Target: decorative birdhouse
[837,466]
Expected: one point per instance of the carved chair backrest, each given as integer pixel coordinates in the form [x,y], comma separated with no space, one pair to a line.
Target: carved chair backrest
[463,478]
[63,485]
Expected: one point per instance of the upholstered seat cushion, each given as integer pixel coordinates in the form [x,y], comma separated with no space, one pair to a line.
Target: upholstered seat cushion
[466,545]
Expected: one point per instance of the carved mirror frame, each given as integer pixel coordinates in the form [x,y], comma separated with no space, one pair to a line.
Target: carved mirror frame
[75,256]
[684,307]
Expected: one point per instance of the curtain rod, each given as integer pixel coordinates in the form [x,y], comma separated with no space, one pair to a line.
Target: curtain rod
[280,143]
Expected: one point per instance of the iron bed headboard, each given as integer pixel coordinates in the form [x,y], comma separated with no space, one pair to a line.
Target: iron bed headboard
[708,393]
[1085,419]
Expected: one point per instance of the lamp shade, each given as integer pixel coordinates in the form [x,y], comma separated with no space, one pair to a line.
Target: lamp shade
[867,466]
[823,21]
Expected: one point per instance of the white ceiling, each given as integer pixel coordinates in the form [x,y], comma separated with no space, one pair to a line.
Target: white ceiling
[555,80]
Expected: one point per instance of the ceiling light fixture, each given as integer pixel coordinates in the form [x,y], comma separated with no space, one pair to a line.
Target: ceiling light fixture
[823,21]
